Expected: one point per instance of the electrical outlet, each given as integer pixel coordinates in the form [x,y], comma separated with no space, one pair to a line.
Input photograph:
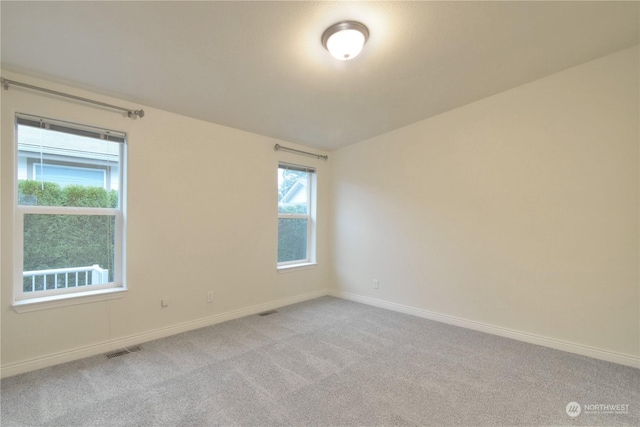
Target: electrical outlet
[376,283]
[210,296]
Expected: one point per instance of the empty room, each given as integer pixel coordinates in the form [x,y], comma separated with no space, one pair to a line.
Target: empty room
[320,213]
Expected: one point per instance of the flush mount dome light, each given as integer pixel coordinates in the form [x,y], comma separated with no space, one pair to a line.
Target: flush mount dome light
[345,40]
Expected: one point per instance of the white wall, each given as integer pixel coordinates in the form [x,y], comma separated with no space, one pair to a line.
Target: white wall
[519,211]
[202,215]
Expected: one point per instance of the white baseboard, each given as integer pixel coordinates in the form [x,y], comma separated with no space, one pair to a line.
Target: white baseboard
[583,350]
[105,347]
[92,350]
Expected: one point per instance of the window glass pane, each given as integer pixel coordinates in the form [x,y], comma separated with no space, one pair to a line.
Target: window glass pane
[293,192]
[67,251]
[292,239]
[66,175]
[61,169]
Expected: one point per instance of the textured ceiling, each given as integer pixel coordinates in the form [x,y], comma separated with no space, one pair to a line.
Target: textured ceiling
[260,67]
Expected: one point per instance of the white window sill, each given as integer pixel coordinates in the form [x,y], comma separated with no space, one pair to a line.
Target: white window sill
[55,301]
[296,267]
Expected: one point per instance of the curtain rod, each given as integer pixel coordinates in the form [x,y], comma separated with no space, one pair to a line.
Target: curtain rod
[131,113]
[293,150]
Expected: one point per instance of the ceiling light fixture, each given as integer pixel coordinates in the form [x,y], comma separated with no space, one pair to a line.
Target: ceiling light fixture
[345,40]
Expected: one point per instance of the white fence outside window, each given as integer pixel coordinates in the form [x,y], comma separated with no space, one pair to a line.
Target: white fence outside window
[61,278]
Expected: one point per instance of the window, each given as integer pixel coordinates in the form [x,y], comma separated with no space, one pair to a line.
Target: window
[69,209]
[295,215]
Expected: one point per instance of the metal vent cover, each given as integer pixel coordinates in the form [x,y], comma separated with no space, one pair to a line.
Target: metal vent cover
[123,351]
[266,313]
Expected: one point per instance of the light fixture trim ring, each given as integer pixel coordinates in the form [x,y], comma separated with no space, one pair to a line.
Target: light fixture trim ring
[344,25]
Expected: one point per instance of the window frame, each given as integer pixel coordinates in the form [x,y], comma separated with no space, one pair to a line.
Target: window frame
[29,301]
[309,216]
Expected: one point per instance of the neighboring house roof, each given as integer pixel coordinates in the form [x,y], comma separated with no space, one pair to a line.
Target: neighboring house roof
[33,141]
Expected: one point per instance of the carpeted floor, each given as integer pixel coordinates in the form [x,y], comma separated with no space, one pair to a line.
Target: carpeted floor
[325,362]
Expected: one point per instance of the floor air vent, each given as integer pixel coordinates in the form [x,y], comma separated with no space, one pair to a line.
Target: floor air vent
[266,313]
[122,352]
